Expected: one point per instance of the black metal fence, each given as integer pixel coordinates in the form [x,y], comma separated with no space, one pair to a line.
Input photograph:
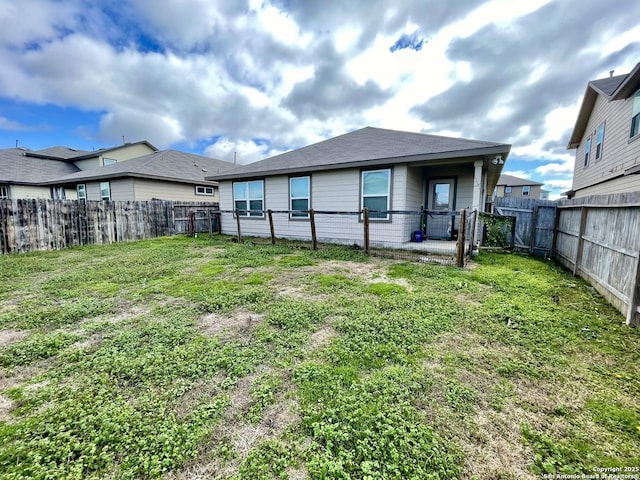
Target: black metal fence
[425,236]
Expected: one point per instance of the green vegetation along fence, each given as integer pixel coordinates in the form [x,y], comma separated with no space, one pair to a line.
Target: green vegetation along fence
[40,224]
[598,238]
[425,236]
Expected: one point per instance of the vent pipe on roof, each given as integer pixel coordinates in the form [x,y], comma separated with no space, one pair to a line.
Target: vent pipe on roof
[611,73]
[16,143]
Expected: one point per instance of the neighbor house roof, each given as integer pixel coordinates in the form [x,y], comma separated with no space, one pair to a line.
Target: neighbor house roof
[71,154]
[368,146]
[17,167]
[169,165]
[616,87]
[511,181]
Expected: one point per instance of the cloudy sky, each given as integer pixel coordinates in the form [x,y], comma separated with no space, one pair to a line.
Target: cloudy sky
[259,77]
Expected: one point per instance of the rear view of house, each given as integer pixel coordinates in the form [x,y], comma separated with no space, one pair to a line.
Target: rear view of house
[606,137]
[382,170]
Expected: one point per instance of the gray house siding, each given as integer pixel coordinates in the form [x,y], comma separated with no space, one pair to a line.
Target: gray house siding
[619,152]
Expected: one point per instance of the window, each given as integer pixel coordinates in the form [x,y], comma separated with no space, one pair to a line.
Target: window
[635,115]
[248,198]
[375,192]
[299,189]
[4,191]
[507,189]
[599,140]
[109,161]
[58,193]
[526,190]
[587,151]
[202,190]
[105,191]
[81,188]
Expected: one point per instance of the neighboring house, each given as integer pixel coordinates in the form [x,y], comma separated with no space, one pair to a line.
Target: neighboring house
[28,173]
[510,186]
[606,137]
[164,175]
[372,167]
[544,194]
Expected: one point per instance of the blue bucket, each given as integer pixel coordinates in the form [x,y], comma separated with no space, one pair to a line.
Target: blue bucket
[417,236]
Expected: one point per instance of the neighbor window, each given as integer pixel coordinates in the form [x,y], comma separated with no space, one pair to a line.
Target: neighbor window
[635,115]
[202,190]
[375,192]
[526,190]
[4,191]
[248,198]
[105,191]
[507,189]
[299,195]
[599,140]
[109,161]
[587,151]
[81,188]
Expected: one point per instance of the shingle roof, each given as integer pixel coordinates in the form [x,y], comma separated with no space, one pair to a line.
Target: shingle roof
[367,146]
[512,181]
[59,152]
[170,165]
[608,85]
[16,167]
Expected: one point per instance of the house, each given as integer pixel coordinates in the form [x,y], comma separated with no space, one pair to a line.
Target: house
[28,173]
[382,170]
[606,137]
[510,186]
[164,175]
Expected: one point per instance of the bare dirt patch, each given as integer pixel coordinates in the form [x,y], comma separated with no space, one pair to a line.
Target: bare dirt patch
[236,323]
[321,338]
[7,337]
[5,407]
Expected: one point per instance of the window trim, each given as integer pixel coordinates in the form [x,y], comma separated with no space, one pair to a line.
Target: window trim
[527,192]
[248,199]
[635,115]
[204,190]
[84,188]
[388,194]
[599,141]
[508,189]
[299,216]
[4,192]
[587,151]
[102,197]
[108,161]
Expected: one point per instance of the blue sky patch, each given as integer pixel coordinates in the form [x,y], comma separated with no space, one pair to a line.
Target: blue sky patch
[408,41]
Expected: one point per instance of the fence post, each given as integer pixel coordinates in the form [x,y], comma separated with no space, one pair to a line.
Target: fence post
[271,227]
[462,228]
[556,226]
[314,238]
[583,225]
[513,233]
[365,215]
[238,223]
[474,227]
[634,296]
[534,225]
[219,222]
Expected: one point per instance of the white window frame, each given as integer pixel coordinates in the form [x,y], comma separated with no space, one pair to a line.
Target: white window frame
[205,190]
[364,196]
[83,195]
[108,161]
[587,151]
[635,116]
[507,189]
[526,190]
[299,215]
[108,188]
[4,191]
[599,140]
[246,198]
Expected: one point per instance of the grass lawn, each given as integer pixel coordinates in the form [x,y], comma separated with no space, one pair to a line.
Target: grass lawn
[195,358]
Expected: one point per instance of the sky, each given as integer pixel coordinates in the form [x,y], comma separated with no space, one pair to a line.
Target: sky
[253,78]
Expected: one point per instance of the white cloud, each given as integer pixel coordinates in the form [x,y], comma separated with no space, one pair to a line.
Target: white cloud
[241,151]
[518,173]
[559,184]
[11,125]
[556,168]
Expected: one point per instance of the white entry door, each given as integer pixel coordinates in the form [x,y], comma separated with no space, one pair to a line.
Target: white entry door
[440,199]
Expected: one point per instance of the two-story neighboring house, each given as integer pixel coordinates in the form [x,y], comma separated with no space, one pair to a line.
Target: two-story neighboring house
[510,186]
[606,137]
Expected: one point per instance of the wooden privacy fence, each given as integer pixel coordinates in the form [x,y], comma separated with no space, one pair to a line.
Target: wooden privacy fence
[598,238]
[41,224]
[534,222]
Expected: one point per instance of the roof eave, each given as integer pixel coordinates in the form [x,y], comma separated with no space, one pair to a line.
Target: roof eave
[109,176]
[494,149]
[629,86]
[588,101]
